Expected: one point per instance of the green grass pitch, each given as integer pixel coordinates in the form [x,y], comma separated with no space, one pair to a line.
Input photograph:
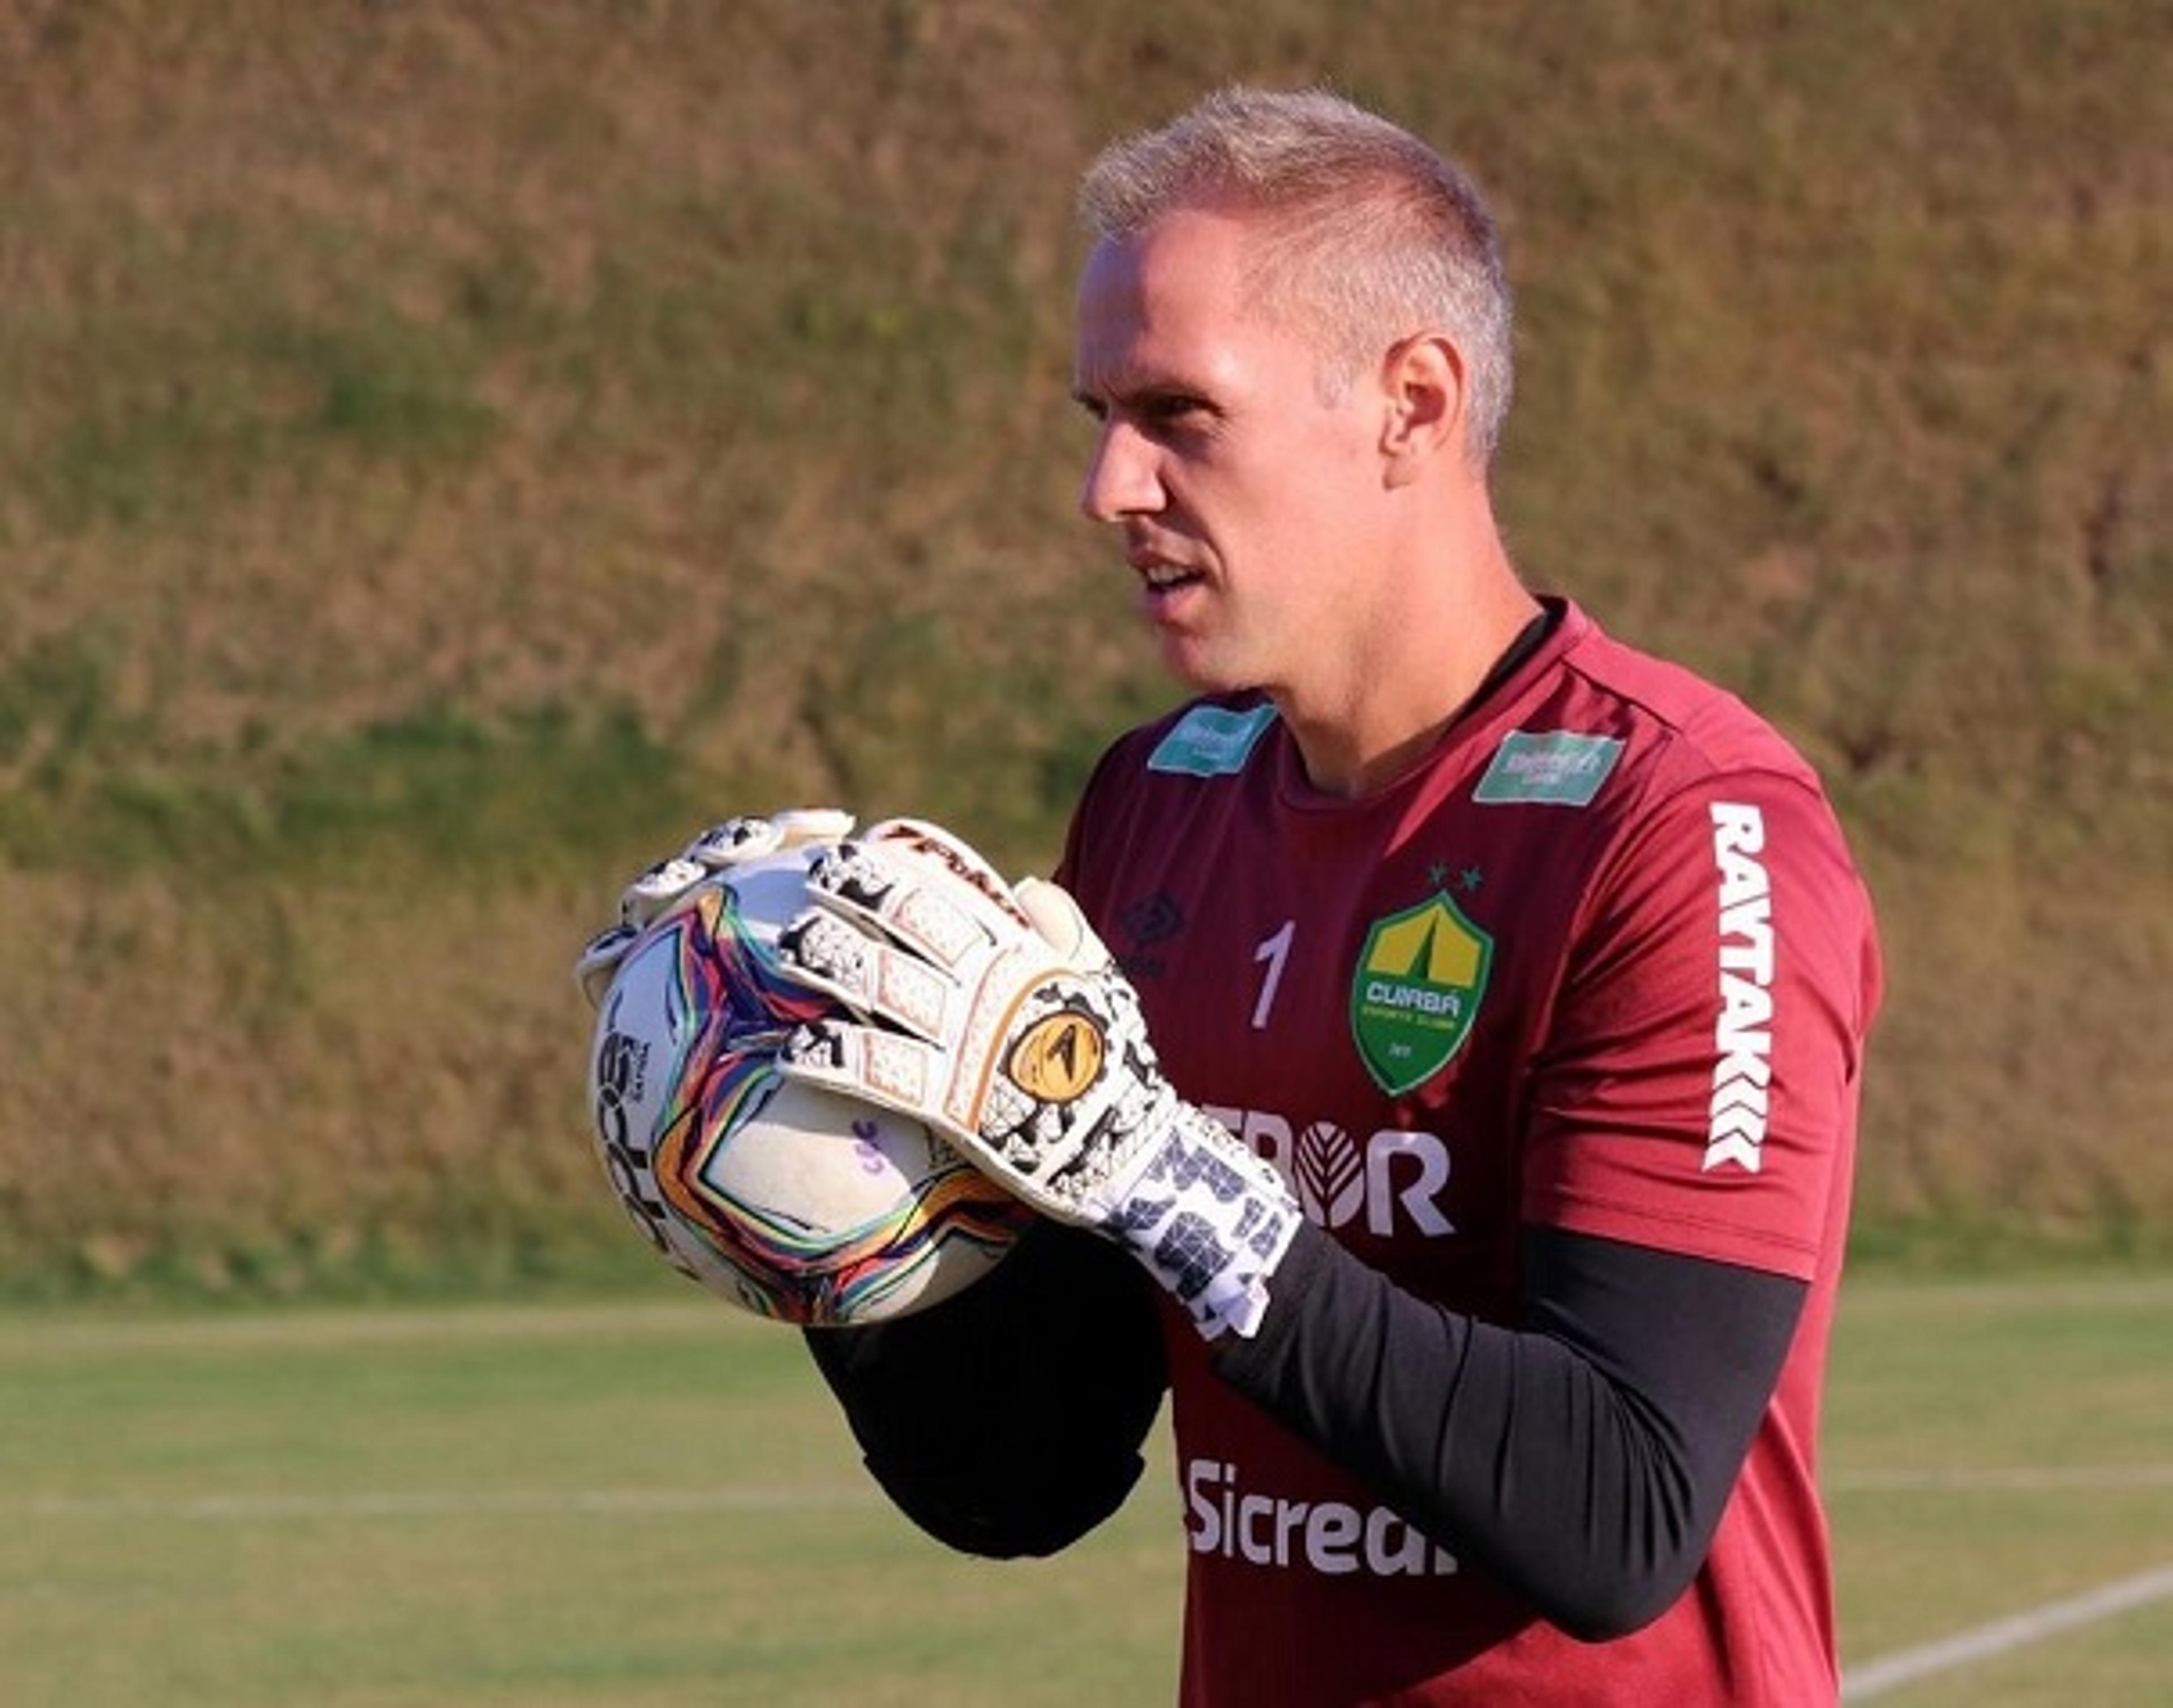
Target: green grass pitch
[651,1503]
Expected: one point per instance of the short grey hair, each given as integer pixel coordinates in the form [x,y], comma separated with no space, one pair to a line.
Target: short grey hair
[1368,236]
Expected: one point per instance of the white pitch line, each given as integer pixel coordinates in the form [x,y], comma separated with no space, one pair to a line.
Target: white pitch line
[442,1503]
[2107,1601]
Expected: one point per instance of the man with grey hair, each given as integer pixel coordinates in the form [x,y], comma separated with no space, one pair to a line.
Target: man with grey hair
[1480,1197]
[1372,231]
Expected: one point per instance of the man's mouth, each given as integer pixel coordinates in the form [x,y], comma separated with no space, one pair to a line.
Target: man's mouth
[1156,573]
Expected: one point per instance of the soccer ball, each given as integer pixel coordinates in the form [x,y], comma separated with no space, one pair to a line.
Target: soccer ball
[796,1204]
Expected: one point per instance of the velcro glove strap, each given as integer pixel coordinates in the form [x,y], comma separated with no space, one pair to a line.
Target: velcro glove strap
[1210,1219]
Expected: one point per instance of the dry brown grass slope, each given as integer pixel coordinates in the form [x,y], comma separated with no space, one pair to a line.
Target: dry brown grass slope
[446,450]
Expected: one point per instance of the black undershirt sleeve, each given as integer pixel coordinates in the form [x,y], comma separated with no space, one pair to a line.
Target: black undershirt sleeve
[1008,1420]
[1581,1459]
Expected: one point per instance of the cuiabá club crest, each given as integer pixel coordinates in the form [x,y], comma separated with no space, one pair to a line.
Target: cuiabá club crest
[1420,977]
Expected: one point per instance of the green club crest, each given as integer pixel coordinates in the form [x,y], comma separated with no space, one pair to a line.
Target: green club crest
[1420,977]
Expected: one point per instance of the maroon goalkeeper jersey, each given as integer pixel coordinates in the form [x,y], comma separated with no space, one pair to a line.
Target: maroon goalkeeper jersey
[1602,962]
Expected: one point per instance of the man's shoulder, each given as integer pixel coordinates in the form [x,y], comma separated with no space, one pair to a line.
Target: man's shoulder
[1689,721]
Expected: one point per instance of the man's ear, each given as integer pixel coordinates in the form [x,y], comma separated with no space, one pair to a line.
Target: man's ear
[1423,380]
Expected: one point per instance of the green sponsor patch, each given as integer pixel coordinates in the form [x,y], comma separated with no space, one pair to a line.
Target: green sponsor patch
[1560,768]
[1420,977]
[1211,741]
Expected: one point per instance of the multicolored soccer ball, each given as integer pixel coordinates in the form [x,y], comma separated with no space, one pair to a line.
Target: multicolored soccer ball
[793,1203]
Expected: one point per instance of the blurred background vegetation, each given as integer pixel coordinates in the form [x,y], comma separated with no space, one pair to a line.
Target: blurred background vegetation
[450,451]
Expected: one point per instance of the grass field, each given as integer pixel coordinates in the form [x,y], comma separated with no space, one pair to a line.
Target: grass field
[650,1502]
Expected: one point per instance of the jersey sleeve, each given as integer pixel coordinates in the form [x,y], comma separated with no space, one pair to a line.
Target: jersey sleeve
[1697,1087]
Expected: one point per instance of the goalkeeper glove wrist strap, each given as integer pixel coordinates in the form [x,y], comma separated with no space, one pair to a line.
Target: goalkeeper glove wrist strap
[1210,1219]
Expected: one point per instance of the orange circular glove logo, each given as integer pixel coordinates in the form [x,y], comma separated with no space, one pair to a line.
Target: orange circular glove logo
[1058,1058]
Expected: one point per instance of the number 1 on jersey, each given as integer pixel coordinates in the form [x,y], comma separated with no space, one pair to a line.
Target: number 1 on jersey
[1275,951]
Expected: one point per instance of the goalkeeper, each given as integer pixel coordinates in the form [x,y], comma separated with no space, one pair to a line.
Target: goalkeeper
[1459,1121]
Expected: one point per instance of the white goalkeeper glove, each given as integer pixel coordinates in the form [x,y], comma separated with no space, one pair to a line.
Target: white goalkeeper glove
[998,1019]
[722,845]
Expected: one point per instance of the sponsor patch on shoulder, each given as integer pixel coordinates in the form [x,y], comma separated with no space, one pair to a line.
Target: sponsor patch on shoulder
[1558,768]
[1211,741]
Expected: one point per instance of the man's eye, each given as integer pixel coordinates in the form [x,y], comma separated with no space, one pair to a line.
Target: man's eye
[1177,409]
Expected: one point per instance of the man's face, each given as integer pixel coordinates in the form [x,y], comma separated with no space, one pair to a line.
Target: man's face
[1247,503]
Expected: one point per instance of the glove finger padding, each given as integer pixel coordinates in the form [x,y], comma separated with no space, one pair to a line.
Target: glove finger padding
[980,1028]
[737,840]
[657,888]
[597,963]
[1062,925]
[723,845]
[998,1018]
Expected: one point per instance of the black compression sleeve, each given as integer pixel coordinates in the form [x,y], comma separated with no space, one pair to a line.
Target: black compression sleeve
[1008,1420]
[1580,1460]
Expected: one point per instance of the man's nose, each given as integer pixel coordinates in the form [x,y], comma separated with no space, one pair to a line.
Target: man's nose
[1122,476]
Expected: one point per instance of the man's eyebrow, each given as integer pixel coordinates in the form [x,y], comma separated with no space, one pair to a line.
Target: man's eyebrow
[1135,394]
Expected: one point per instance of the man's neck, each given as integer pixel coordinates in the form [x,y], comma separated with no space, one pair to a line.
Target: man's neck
[1396,717]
